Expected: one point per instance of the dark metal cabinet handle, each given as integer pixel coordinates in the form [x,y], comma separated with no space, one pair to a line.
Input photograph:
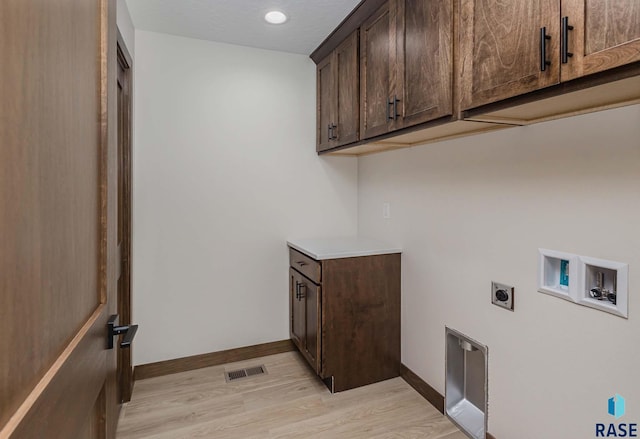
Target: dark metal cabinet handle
[129,332]
[331,131]
[334,136]
[543,49]
[299,293]
[392,104]
[395,107]
[301,263]
[566,27]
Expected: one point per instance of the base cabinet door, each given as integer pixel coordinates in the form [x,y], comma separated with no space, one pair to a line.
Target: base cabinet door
[310,295]
[304,299]
[296,311]
[599,35]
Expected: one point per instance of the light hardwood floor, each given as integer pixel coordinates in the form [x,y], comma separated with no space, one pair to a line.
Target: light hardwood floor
[289,402]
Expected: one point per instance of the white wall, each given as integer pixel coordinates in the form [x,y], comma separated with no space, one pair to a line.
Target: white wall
[477,209]
[225,171]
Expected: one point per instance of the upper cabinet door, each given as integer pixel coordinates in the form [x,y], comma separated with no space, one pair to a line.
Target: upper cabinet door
[507,48]
[600,34]
[424,47]
[348,92]
[326,102]
[377,76]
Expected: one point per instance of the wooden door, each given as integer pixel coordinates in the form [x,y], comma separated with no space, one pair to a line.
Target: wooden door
[500,48]
[605,34]
[57,224]
[125,371]
[296,310]
[377,72]
[326,101]
[348,92]
[425,63]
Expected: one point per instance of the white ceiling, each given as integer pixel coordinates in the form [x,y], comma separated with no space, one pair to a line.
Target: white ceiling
[242,21]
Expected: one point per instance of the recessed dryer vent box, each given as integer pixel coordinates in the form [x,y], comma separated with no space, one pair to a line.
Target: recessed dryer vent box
[605,285]
[558,274]
[466,383]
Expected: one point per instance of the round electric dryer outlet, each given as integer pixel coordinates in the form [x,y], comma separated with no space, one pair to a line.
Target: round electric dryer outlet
[502,295]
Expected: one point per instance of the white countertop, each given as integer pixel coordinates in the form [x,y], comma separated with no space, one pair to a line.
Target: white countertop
[342,247]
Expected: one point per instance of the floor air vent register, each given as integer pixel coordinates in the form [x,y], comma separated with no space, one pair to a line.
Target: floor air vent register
[239,374]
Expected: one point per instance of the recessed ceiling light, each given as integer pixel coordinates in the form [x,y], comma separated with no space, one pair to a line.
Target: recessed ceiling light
[275,17]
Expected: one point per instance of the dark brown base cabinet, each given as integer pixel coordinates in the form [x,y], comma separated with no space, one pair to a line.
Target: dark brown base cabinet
[345,317]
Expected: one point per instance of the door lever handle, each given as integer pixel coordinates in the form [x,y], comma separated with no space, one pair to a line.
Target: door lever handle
[129,332]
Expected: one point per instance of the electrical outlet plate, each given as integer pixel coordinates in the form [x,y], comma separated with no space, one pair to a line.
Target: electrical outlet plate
[495,296]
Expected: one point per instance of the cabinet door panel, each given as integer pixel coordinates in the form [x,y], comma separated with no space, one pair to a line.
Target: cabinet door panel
[377,79]
[425,62]
[311,294]
[606,34]
[326,101]
[348,93]
[296,310]
[500,48]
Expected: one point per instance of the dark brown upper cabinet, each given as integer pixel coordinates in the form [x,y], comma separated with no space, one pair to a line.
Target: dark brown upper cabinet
[434,70]
[377,74]
[405,65]
[424,60]
[502,45]
[509,49]
[338,96]
[600,35]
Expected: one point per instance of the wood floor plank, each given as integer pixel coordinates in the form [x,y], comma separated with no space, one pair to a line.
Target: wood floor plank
[157,419]
[373,414]
[289,402]
[248,424]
